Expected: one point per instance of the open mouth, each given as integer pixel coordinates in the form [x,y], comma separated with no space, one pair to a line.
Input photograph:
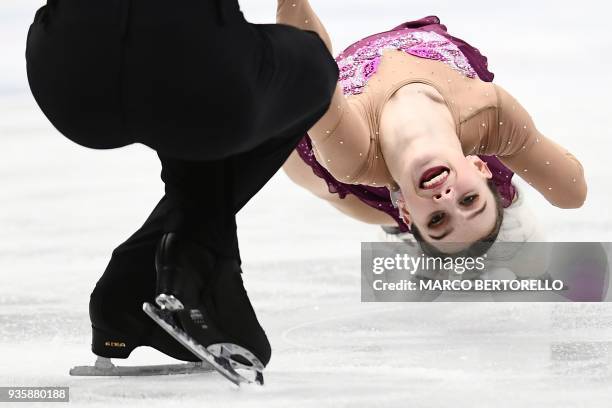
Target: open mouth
[434,177]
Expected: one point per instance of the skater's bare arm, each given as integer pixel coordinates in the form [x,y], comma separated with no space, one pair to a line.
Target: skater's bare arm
[340,138]
[544,164]
[298,13]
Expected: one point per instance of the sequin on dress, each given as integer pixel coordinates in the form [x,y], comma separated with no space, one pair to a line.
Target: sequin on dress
[358,67]
[425,38]
[489,121]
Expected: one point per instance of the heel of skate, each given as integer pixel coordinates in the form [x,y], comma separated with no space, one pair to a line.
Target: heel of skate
[108,344]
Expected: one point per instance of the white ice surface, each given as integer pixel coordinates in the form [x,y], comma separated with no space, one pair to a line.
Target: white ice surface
[64,208]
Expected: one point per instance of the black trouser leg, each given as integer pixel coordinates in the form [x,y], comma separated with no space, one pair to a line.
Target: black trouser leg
[196,82]
[289,88]
[223,102]
[200,196]
[129,279]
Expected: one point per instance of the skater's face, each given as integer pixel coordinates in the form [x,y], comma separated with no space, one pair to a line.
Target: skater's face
[449,201]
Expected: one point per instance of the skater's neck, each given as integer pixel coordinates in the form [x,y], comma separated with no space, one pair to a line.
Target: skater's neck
[416,123]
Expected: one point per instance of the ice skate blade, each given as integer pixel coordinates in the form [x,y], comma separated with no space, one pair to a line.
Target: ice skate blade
[230,350]
[221,364]
[105,368]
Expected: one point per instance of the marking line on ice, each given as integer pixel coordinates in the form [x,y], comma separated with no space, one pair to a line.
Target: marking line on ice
[287,332]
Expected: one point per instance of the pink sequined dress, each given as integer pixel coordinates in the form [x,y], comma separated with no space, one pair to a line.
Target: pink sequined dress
[424,38]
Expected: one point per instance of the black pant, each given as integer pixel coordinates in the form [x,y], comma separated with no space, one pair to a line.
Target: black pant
[222,101]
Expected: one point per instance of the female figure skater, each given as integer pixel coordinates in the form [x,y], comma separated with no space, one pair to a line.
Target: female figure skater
[214,96]
[412,134]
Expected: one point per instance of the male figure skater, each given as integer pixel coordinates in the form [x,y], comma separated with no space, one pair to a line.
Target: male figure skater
[223,102]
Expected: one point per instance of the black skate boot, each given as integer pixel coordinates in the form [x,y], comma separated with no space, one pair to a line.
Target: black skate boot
[118,324]
[203,305]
